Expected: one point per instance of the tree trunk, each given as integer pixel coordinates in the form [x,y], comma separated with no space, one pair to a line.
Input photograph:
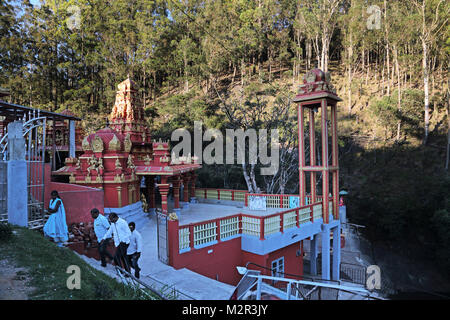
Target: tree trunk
[308,54]
[253,179]
[349,79]
[316,48]
[386,38]
[144,92]
[448,128]
[242,72]
[154,86]
[399,95]
[270,65]
[234,75]
[247,178]
[426,89]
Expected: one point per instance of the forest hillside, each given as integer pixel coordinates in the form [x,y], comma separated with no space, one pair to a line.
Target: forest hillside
[236,64]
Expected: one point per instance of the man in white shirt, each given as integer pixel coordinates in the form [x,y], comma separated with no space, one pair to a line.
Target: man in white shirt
[101,226]
[134,249]
[121,234]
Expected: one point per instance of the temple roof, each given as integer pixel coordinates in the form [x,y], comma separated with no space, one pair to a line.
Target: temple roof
[316,84]
[144,170]
[105,139]
[127,85]
[166,170]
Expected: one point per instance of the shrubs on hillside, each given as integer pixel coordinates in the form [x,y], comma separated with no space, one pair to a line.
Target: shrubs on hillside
[5,231]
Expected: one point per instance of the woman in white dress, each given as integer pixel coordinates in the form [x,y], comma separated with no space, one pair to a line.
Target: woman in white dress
[56,226]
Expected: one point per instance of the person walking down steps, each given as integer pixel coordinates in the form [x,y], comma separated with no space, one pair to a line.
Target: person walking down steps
[121,234]
[56,226]
[101,226]
[134,249]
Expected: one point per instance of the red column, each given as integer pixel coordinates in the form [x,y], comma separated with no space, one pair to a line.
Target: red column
[312,154]
[335,159]
[282,222]
[192,186]
[218,230]
[173,243]
[325,172]
[301,155]
[150,183]
[186,188]
[191,236]
[176,183]
[164,190]
[261,228]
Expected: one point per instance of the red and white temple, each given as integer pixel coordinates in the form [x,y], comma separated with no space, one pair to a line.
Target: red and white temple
[223,230]
[115,159]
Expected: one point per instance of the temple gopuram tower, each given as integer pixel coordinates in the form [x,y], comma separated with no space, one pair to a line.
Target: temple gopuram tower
[127,118]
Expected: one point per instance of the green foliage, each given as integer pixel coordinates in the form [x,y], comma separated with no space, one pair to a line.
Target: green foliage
[46,266]
[387,112]
[411,112]
[441,225]
[5,231]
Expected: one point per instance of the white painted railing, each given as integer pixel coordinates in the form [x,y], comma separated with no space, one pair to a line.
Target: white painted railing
[204,233]
[212,194]
[289,220]
[213,231]
[183,238]
[239,196]
[271,225]
[229,227]
[304,215]
[251,226]
[221,194]
[317,211]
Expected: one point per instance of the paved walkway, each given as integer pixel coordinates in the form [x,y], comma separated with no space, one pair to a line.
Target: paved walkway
[197,212]
[189,283]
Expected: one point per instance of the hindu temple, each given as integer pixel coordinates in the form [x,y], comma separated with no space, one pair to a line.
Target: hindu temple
[118,156]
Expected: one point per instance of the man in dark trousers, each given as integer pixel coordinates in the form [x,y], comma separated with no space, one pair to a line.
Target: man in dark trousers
[101,226]
[121,234]
[134,249]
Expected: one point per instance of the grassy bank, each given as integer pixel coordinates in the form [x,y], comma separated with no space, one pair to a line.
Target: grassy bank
[46,266]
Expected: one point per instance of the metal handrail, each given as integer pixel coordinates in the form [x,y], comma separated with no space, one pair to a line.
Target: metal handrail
[126,279]
[353,290]
[290,274]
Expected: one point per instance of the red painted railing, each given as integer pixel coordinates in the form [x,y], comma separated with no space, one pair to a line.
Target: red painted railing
[209,231]
[272,200]
[220,194]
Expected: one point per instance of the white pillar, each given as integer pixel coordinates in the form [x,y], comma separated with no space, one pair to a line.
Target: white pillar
[72,138]
[336,252]
[326,253]
[314,250]
[17,176]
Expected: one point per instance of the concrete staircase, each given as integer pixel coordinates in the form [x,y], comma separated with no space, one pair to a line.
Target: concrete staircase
[132,213]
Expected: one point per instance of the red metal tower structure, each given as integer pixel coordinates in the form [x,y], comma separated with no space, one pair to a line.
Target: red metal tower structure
[317,94]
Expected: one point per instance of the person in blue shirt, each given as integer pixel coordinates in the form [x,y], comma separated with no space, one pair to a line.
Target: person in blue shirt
[101,226]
